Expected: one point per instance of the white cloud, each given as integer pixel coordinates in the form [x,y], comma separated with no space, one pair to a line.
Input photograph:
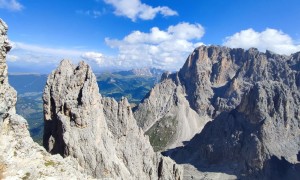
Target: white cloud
[12,58]
[12,5]
[45,50]
[164,49]
[93,56]
[31,56]
[159,48]
[91,13]
[39,55]
[269,39]
[101,61]
[135,9]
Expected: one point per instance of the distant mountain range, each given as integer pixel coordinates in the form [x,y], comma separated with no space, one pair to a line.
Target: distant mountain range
[150,72]
[133,84]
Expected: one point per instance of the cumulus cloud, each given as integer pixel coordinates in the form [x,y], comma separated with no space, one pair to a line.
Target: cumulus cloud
[269,39]
[12,5]
[42,56]
[44,59]
[101,61]
[162,48]
[93,56]
[135,9]
[159,48]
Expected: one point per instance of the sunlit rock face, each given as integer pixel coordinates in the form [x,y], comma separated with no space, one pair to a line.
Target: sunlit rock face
[8,96]
[100,133]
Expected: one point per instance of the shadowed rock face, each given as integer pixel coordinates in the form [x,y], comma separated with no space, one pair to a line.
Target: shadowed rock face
[252,99]
[100,133]
[264,125]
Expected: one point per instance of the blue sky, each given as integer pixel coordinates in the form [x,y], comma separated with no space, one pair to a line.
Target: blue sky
[124,34]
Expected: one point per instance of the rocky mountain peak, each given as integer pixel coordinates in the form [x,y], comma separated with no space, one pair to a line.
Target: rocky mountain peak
[245,103]
[71,93]
[100,133]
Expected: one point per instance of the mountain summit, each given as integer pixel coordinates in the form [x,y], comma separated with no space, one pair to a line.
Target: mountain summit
[243,103]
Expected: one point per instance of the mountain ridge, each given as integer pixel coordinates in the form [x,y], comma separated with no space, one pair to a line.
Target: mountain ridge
[235,90]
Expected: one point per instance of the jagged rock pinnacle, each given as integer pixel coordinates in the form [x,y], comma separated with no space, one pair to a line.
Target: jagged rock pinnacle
[100,133]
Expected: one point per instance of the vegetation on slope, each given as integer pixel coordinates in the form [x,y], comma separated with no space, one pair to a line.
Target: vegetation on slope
[162,133]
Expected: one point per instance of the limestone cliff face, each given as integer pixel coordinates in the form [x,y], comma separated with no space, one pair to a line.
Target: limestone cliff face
[73,117]
[166,116]
[263,127]
[100,133]
[8,96]
[252,99]
[20,157]
[213,80]
[192,96]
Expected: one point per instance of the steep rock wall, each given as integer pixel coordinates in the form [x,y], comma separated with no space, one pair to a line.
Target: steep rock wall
[99,132]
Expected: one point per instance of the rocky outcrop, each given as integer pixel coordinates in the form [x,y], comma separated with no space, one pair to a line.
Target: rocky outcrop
[20,157]
[8,95]
[100,133]
[252,99]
